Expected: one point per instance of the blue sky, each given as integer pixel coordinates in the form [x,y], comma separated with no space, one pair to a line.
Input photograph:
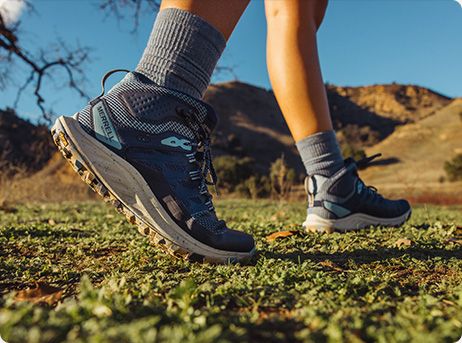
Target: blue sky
[360,43]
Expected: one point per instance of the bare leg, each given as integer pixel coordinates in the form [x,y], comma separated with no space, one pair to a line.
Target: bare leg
[223,15]
[337,198]
[293,64]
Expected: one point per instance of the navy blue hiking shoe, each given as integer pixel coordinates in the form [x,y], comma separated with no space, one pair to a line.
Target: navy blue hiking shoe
[146,149]
[343,203]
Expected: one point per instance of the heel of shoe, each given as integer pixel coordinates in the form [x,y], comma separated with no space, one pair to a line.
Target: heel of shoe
[356,221]
[315,224]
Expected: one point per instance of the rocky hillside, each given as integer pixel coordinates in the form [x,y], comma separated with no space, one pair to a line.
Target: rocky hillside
[23,144]
[251,123]
[404,103]
[414,155]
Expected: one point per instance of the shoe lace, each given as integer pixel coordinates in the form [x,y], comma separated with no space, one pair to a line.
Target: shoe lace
[366,160]
[363,163]
[202,155]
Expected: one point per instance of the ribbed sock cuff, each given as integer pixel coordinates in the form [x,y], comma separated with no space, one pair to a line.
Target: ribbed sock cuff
[182,52]
[321,153]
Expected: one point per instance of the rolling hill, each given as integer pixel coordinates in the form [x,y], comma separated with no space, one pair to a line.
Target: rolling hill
[404,103]
[416,153]
[415,128]
[252,124]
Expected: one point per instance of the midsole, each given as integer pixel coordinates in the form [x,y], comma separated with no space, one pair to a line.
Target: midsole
[354,221]
[124,181]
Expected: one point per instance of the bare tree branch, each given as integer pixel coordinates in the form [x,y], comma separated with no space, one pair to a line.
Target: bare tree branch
[223,69]
[40,67]
[130,8]
[42,64]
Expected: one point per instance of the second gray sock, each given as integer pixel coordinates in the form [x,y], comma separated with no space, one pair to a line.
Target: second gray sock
[321,153]
[182,52]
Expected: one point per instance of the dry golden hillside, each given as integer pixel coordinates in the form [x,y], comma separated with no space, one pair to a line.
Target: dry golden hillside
[413,126]
[405,103]
[417,152]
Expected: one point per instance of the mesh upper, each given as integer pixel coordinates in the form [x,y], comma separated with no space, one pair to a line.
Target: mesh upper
[142,95]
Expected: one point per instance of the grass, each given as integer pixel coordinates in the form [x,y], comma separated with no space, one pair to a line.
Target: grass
[307,287]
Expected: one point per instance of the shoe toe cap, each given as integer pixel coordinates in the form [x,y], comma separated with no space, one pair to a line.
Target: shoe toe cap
[392,208]
[232,240]
[403,206]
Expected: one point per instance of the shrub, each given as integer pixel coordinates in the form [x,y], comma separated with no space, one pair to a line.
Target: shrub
[453,168]
[256,186]
[281,177]
[349,150]
[232,171]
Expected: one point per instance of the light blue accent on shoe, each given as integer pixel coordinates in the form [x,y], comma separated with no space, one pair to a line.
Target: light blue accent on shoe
[359,187]
[338,210]
[104,129]
[177,143]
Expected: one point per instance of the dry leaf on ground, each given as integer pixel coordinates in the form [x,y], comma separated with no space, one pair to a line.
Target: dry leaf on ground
[278,215]
[41,293]
[454,240]
[281,234]
[448,302]
[331,265]
[403,242]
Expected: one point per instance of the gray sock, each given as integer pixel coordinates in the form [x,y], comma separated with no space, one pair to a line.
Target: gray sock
[321,154]
[182,52]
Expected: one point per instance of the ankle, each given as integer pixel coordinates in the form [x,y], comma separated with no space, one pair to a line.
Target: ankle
[321,153]
[182,52]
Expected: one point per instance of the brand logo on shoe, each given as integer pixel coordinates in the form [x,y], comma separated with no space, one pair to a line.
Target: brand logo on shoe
[177,143]
[104,129]
[338,210]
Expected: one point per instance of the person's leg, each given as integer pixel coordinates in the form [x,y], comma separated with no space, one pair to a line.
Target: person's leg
[144,146]
[295,74]
[223,15]
[293,64]
[337,198]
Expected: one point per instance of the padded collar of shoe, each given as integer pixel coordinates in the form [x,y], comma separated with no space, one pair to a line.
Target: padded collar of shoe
[196,105]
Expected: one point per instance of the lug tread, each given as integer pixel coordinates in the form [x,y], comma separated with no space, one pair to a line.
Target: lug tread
[65,146]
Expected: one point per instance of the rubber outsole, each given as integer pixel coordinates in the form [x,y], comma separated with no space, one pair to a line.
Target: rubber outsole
[72,155]
[319,225]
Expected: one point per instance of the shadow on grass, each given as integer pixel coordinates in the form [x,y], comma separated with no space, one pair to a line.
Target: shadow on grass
[361,256]
[46,232]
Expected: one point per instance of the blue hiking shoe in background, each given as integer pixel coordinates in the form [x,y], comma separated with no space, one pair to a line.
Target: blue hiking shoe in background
[146,149]
[344,203]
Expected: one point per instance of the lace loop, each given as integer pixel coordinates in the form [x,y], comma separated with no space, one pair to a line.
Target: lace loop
[104,79]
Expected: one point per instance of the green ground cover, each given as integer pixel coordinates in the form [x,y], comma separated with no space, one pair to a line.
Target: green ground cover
[381,285]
